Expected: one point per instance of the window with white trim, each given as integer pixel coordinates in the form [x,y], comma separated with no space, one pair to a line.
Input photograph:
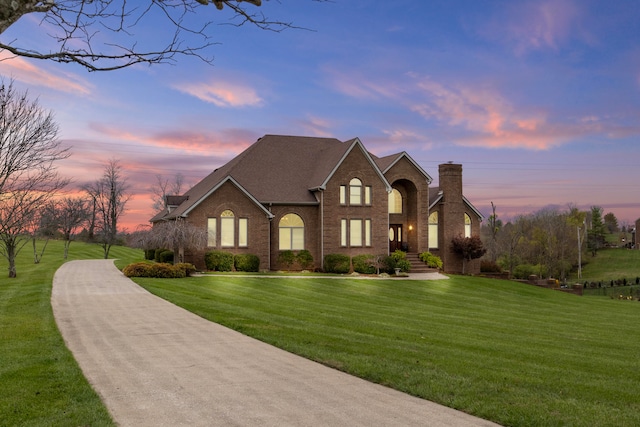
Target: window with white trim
[355,192]
[212,232]
[467,225]
[433,230]
[227,229]
[243,232]
[291,232]
[395,202]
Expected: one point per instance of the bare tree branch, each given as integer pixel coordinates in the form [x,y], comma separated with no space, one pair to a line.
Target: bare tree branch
[83,29]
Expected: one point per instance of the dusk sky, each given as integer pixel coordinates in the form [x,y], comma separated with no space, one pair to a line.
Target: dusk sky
[538,100]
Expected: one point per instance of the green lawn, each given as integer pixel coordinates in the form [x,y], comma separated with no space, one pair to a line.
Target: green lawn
[40,382]
[612,264]
[508,352]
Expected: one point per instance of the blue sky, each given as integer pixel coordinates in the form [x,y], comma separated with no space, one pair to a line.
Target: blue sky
[539,100]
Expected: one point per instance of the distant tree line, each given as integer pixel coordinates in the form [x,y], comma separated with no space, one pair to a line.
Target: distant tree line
[550,242]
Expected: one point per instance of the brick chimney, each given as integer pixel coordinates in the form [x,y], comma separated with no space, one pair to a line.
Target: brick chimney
[452,219]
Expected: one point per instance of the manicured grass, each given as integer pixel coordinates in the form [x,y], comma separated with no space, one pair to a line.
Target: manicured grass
[40,381]
[512,353]
[612,264]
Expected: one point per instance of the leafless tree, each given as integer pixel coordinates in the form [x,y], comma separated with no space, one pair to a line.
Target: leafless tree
[66,215]
[99,34]
[29,148]
[163,188]
[109,195]
[179,236]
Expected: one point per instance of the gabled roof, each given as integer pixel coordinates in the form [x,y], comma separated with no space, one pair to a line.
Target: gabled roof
[436,195]
[387,162]
[278,169]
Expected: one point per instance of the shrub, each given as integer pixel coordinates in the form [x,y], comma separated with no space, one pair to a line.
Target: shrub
[287,258]
[489,267]
[165,256]
[149,254]
[188,269]
[219,261]
[167,271]
[246,262]
[432,261]
[138,269]
[156,255]
[398,255]
[364,264]
[305,259]
[337,263]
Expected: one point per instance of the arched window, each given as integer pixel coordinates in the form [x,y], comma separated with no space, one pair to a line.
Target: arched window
[291,232]
[227,229]
[355,192]
[395,202]
[467,225]
[433,230]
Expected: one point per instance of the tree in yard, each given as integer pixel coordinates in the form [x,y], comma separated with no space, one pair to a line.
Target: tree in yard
[611,223]
[179,235]
[576,219]
[595,237]
[163,188]
[109,196]
[469,248]
[29,148]
[67,215]
[100,34]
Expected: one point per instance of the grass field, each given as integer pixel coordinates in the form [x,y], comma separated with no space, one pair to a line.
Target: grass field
[40,382]
[511,353]
[612,264]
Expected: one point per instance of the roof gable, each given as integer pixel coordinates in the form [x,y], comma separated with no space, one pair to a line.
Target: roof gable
[386,163]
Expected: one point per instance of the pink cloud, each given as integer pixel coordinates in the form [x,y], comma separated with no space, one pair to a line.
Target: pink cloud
[222,93]
[24,71]
[539,25]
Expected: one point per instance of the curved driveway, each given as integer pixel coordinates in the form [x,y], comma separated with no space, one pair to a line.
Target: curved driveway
[155,364]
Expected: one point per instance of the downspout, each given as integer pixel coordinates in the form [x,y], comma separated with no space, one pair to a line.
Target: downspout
[322,230]
[270,218]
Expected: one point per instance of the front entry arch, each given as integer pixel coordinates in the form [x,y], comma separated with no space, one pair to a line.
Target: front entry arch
[395,237]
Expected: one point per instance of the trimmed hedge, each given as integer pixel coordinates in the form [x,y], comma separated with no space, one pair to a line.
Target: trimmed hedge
[337,263]
[165,256]
[432,261]
[159,270]
[305,259]
[247,262]
[219,261]
[364,264]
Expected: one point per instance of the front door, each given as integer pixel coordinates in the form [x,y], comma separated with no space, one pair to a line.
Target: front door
[395,237]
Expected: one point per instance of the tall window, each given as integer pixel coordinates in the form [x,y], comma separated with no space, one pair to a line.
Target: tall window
[433,230]
[343,194]
[227,229]
[467,225]
[355,232]
[395,202]
[343,232]
[243,232]
[367,232]
[355,192]
[291,232]
[212,231]
[367,195]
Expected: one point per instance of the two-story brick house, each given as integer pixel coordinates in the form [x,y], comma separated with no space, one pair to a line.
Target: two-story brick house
[325,196]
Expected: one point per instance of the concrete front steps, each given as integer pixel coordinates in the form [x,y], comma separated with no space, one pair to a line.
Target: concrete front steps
[417,266]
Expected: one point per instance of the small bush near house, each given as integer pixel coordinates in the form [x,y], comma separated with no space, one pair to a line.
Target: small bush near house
[432,261]
[149,254]
[159,270]
[364,264]
[247,262]
[165,256]
[305,259]
[287,258]
[138,269]
[218,261]
[189,269]
[489,267]
[157,253]
[337,263]
[390,263]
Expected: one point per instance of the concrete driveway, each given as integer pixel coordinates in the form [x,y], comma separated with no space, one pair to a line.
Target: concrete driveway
[155,364]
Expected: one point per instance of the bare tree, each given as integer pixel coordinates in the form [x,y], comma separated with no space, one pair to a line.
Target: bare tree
[67,215]
[179,236]
[109,195]
[29,148]
[163,188]
[85,30]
